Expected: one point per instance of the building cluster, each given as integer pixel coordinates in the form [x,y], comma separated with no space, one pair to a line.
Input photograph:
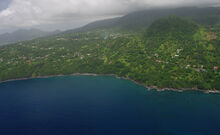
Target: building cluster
[212,36]
[61,39]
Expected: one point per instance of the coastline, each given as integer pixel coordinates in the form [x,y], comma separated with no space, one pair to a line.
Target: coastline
[119,77]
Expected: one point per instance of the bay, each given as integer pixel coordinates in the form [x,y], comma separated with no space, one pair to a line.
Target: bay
[98,105]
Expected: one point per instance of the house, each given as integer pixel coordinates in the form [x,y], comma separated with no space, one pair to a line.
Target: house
[197,69]
[159,61]
[188,66]
[211,36]
[58,39]
[215,68]
[29,61]
[179,50]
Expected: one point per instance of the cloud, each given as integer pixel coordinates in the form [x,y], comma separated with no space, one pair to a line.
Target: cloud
[4,4]
[31,13]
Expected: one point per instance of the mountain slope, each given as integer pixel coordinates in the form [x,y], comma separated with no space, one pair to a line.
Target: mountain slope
[22,35]
[138,21]
[170,28]
[102,24]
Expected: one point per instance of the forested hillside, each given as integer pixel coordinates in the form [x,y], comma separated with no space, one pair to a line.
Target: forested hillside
[173,52]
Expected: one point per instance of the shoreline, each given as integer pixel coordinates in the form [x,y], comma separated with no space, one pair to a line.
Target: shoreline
[119,77]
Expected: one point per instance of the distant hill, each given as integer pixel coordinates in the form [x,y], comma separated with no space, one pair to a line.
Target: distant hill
[137,21]
[22,35]
[170,28]
[102,24]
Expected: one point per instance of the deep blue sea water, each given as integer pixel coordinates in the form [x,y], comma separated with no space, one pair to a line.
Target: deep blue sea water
[88,105]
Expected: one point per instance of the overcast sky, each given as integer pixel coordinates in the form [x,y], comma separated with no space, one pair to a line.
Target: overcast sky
[64,14]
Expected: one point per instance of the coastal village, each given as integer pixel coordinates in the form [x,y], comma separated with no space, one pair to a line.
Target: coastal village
[53,51]
[107,48]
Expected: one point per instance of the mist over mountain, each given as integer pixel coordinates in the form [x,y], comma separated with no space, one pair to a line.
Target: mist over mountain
[135,21]
[56,14]
[138,21]
[24,34]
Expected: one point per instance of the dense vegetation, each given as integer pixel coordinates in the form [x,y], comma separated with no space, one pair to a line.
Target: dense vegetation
[173,52]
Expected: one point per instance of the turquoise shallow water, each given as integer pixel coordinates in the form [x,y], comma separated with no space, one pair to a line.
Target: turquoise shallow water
[88,105]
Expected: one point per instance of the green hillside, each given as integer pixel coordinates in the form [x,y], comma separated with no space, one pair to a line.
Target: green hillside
[173,52]
[170,28]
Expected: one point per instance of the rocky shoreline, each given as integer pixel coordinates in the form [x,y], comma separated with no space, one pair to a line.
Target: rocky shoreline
[141,84]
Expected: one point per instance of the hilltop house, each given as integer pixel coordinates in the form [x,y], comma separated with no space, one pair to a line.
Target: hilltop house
[215,68]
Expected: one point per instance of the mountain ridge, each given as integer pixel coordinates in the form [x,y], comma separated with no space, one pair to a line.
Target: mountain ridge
[139,20]
[23,34]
